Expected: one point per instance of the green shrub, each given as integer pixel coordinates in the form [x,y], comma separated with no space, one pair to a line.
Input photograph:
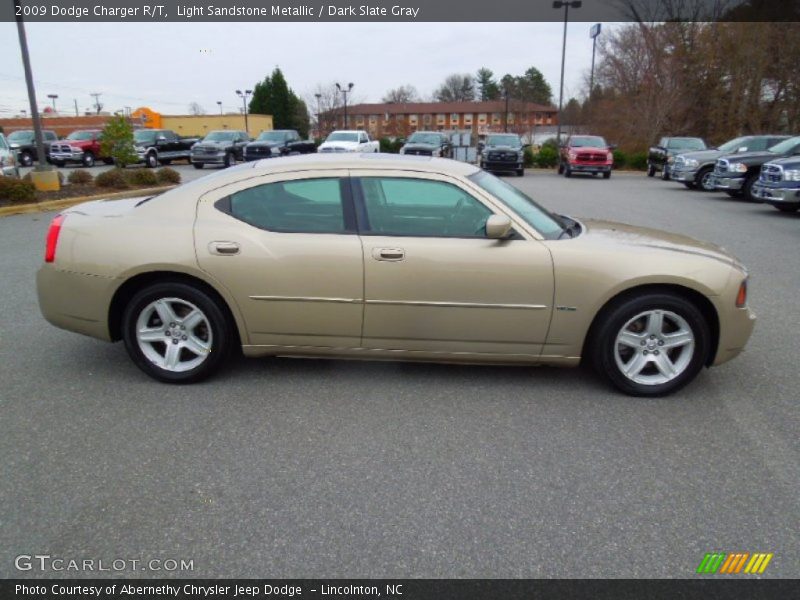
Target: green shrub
[141,177]
[80,177]
[166,175]
[620,159]
[16,191]
[113,178]
[547,157]
[528,158]
[638,161]
[116,141]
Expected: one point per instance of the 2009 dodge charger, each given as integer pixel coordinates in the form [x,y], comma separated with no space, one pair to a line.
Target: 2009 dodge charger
[370,256]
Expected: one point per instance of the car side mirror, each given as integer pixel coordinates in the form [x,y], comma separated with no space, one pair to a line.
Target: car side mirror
[160,139]
[498,227]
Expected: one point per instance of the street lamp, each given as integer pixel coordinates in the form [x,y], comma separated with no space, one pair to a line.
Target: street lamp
[53,97]
[319,110]
[505,96]
[344,93]
[566,5]
[593,33]
[219,103]
[244,96]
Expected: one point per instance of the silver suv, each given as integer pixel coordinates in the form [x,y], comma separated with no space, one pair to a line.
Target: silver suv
[8,159]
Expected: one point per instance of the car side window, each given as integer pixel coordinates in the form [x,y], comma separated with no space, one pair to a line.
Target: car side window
[303,206]
[422,208]
[363,139]
[3,144]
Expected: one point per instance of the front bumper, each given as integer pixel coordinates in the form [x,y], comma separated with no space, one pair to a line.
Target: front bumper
[510,165]
[684,175]
[208,159]
[776,195]
[74,156]
[589,168]
[733,184]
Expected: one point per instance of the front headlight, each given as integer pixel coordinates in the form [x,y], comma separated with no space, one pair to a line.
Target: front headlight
[737,168]
[275,150]
[691,162]
[14,146]
[75,149]
[792,175]
[670,160]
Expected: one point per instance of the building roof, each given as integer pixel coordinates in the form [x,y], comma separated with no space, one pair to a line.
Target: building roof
[491,106]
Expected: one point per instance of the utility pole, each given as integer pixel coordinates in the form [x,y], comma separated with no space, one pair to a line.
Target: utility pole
[97,104]
[319,125]
[219,103]
[565,4]
[75,100]
[244,96]
[593,33]
[344,93]
[53,97]
[505,121]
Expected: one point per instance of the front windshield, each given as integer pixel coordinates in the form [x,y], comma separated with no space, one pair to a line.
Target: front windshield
[145,136]
[271,136]
[686,144]
[503,140]
[80,135]
[734,145]
[342,136]
[588,141]
[220,136]
[424,138]
[785,146]
[545,222]
[20,136]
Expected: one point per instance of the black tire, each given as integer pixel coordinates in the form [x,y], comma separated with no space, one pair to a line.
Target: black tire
[603,343]
[197,165]
[651,171]
[733,193]
[567,171]
[520,172]
[151,160]
[665,173]
[607,175]
[560,168]
[221,335]
[108,161]
[230,160]
[786,209]
[747,188]
[59,163]
[704,181]
[88,159]
[26,159]
[165,162]
[689,185]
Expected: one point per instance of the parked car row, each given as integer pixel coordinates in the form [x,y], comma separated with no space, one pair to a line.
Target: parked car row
[759,168]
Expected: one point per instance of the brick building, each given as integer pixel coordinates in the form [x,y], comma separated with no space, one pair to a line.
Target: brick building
[400,120]
[63,126]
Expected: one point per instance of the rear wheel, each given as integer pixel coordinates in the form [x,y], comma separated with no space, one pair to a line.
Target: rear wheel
[198,165]
[176,333]
[651,345]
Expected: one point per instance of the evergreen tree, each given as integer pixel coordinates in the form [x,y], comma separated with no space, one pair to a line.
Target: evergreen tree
[487,86]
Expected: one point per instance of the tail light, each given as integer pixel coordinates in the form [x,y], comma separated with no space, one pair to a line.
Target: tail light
[52,238]
[741,297]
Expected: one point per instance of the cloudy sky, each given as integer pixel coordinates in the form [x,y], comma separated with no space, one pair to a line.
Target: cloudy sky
[168,66]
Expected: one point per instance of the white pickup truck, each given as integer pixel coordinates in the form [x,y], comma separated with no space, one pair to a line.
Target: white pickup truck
[349,141]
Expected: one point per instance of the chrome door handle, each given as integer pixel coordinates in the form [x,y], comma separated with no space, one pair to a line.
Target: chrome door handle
[224,248]
[390,254]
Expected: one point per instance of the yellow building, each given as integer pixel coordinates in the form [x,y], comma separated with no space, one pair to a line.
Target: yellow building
[200,125]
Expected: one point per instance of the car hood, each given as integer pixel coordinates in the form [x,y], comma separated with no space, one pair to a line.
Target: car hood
[263,144]
[420,146]
[588,149]
[702,155]
[751,157]
[339,145]
[610,232]
[504,147]
[202,144]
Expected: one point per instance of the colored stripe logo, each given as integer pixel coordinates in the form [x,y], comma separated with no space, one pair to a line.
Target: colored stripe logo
[734,563]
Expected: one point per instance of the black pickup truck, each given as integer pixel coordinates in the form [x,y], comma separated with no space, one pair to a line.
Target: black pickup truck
[735,174]
[162,146]
[223,147]
[23,143]
[428,143]
[278,142]
[660,156]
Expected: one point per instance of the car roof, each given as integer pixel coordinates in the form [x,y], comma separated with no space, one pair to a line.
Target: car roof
[371,160]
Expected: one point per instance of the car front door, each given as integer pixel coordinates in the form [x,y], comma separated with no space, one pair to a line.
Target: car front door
[434,282]
[286,248]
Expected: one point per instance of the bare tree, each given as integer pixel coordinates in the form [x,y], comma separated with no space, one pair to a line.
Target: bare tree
[196,109]
[401,95]
[456,88]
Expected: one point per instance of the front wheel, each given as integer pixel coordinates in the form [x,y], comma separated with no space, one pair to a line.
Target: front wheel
[567,171]
[520,172]
[560,168]
[651,171]
[607,175]
[651,345]
[26,159]
[151,160]
[176,333]
[88,159]
[747,189]
[229,160]
[665,173]
[197,165]
[705,179]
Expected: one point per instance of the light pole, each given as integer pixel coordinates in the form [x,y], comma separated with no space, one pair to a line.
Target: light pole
[219,103]
[53,97]
[566,5]
[244,96]
[505,121]
[319,111]
[593,33]
[344,93]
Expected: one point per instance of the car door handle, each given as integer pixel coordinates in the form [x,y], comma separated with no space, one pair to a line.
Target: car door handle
[224,248]
[390,254]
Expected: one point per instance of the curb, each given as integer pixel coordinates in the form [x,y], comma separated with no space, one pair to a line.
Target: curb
[25,209]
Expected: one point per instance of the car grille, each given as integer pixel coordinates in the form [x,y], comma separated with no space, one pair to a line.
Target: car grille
[259,151]
[592,157]
[771,173]
[205,149]
[333,150]
[502,156]
[721,166]
[420,152]
[60,148]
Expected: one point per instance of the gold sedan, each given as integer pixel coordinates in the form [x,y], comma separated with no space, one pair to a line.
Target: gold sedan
[378,257]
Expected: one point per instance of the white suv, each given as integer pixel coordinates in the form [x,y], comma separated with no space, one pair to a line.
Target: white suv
[8,160]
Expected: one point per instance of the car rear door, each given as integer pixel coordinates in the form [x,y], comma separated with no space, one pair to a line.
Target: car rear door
[433,282]
[285,246]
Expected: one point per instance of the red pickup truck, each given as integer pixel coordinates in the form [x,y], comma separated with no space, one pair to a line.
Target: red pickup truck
[586,154]
[82,146]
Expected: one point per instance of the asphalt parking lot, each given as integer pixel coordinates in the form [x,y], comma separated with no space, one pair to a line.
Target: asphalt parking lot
[310,468]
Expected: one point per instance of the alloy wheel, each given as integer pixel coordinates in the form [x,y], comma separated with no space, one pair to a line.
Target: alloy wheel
[173,334]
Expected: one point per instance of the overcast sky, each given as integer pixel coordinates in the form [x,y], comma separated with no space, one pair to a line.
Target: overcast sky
[167,66]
